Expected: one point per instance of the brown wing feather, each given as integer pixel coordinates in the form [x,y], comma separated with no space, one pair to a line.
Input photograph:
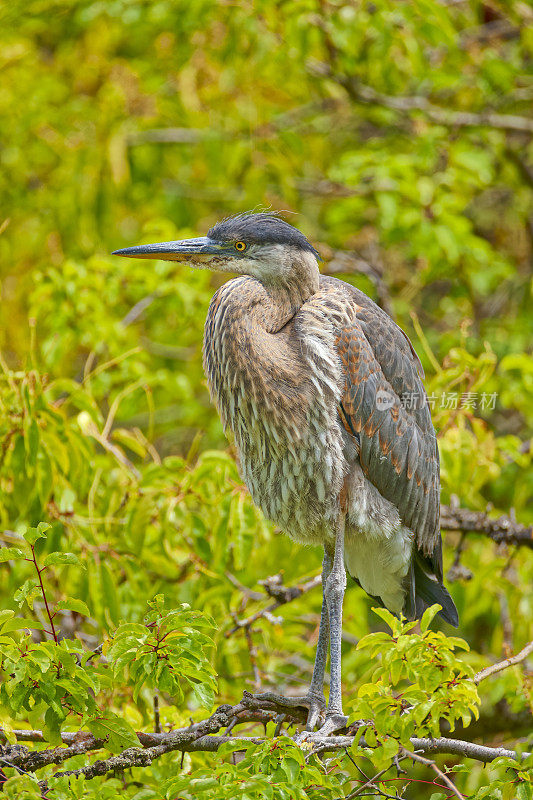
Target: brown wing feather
[398,447]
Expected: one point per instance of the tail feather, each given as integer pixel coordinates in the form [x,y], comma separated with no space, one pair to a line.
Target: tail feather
[424,589]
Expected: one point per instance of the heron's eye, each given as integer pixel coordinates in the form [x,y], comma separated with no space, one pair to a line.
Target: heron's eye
[240,246]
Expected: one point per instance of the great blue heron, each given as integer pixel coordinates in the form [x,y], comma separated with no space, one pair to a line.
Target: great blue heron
[323,393]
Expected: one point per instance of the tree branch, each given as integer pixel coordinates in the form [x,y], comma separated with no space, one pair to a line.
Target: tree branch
[501,665]
[205,736]
[502,530]
[406,104]
[283,594]
[456,747]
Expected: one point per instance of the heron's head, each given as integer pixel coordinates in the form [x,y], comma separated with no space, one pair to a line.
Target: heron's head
[260,245]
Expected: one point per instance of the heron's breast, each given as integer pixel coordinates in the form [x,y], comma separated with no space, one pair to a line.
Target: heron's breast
[294,477]
[278,394]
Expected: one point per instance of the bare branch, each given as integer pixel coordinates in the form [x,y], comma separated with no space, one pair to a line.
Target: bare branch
[137,310]
[501,665]
[502,530]
[252,651]
[282,594]
[138,757]
[496,29]
[293,119]
[33,760]
[406,104]
[457,747]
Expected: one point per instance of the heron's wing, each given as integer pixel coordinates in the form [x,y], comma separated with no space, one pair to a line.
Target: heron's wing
[384,404]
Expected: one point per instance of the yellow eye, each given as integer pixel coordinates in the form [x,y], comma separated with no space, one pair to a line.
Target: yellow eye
[240,246]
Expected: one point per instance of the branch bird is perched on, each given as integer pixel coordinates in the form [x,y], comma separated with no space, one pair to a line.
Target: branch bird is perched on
[309,374]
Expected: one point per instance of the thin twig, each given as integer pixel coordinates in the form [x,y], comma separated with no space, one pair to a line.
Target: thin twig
[370,782]
[283,595]
[157,721]
[49,613]
[501,665]
[244,589]
[429,763]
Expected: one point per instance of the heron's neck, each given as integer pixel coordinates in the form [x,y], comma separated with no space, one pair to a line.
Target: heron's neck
[289,291]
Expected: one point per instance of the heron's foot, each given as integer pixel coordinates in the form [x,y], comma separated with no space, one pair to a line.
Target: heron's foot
[332,724]
[314,703]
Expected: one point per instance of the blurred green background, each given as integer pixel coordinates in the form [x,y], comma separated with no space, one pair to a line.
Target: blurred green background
[123,122]
[128,121]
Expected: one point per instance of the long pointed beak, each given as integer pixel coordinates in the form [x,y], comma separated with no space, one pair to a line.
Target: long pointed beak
[200,249]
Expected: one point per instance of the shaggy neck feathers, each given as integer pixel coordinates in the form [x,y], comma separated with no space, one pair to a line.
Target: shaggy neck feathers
[286,289]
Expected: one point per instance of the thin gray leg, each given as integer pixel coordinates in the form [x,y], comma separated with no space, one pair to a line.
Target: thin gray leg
[316,689]
[334,593]
[314,700]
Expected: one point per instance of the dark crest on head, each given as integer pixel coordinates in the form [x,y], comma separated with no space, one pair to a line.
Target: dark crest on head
[260,228]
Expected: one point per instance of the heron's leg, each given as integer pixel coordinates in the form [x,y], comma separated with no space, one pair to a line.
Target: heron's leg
[334,593]
[314,700]
[316,689]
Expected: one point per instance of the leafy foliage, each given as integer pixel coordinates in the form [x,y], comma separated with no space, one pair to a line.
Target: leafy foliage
[132,121]
[166,650]
[418,683]
[277,770]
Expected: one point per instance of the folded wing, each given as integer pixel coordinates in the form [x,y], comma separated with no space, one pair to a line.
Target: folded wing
[384,405]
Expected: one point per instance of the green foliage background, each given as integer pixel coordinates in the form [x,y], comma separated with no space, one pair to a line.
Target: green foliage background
[126,122]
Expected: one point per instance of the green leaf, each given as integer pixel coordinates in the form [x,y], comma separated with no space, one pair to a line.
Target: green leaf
[203,694]
[31,441]
[10,554]
[32,534]
[109,594]
[387,617]
[45,477]
[18,624]
[373,638]
[52,725]
[8,732]
[396,671]
[241,534]
[126,438]
[67,500]
[115,731]
[73,604]
[6,613]
[428,616]
[524,791]
[29,590]
[58,559]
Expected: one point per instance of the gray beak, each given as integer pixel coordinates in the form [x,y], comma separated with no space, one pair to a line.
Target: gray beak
[200,249]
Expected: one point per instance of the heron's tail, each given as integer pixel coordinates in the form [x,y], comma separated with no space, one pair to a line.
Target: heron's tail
[424,589]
